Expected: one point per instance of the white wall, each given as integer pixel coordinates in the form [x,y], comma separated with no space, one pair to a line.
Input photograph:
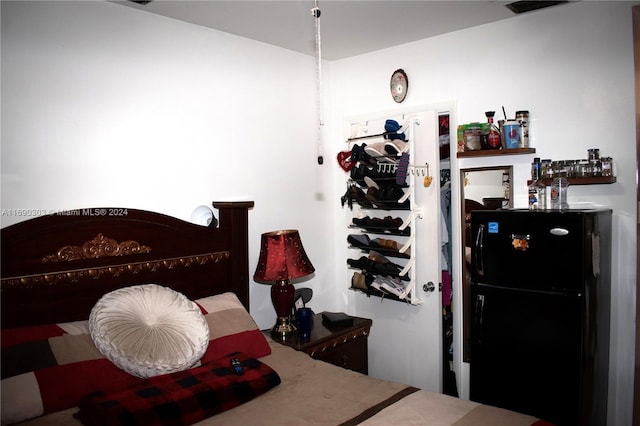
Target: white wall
[572,67]
[104,105]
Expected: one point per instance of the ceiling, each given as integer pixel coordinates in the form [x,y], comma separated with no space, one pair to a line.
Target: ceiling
[347,27]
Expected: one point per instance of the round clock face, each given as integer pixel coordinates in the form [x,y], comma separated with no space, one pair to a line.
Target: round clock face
[399,85]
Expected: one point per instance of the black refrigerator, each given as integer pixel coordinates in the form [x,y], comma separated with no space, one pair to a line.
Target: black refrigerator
[540,302]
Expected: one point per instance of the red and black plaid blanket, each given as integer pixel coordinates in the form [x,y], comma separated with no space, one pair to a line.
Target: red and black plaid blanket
[181,398]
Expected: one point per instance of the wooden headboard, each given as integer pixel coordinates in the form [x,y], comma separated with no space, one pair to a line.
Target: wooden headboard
[56,267]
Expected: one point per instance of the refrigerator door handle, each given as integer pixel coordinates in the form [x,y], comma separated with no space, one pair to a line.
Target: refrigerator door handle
[559,232]
[478,250]
[479,314]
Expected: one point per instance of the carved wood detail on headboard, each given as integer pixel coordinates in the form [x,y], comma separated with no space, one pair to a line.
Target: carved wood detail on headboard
[49,278]
[98,247]
[130,268]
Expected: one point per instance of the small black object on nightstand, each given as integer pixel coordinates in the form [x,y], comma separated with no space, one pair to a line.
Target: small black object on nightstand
[336,319]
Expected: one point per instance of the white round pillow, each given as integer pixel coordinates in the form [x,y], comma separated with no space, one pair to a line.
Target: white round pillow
[148,330]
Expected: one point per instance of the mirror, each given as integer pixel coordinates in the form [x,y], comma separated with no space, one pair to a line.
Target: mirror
[482,188]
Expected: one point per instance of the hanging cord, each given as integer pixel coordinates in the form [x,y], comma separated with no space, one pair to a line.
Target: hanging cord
[316,13]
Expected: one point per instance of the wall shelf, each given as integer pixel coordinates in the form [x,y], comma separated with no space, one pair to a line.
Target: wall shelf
[596,180]
[495,152]
[383,251]
[375,293]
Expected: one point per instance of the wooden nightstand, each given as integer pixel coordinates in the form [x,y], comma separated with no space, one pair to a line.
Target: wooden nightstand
[345,347]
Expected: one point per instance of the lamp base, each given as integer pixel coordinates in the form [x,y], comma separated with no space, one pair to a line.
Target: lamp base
[282,293]
[282,329]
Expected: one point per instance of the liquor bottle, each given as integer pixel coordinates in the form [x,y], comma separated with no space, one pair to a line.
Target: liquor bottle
[507,187]
[533,195]
[536,168]
[492,132]
[534,186]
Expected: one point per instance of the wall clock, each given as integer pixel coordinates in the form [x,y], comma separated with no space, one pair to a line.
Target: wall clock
[399,85]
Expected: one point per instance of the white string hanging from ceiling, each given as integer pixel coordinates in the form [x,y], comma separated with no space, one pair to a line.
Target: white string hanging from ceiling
[316,14]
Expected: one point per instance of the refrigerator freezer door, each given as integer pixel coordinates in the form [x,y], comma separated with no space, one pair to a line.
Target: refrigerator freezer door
[525,352]
[545,251]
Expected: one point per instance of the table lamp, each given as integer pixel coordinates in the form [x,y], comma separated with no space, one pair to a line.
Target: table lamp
[282,258]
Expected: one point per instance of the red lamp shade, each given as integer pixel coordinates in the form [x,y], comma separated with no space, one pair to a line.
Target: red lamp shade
[282,258]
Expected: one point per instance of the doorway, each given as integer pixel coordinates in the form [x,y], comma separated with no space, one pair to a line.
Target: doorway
[481,188]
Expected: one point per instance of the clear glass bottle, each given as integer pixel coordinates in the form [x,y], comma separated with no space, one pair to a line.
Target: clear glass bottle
[607,166]
[542,196]
[571,166]
[559,193]
[522,117]
[584,169]
[545,168]
[560,169]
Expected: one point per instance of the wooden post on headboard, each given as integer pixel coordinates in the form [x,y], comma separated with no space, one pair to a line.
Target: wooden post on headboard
[235,215]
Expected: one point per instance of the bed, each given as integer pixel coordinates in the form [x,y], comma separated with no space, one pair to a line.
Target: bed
[59,273]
